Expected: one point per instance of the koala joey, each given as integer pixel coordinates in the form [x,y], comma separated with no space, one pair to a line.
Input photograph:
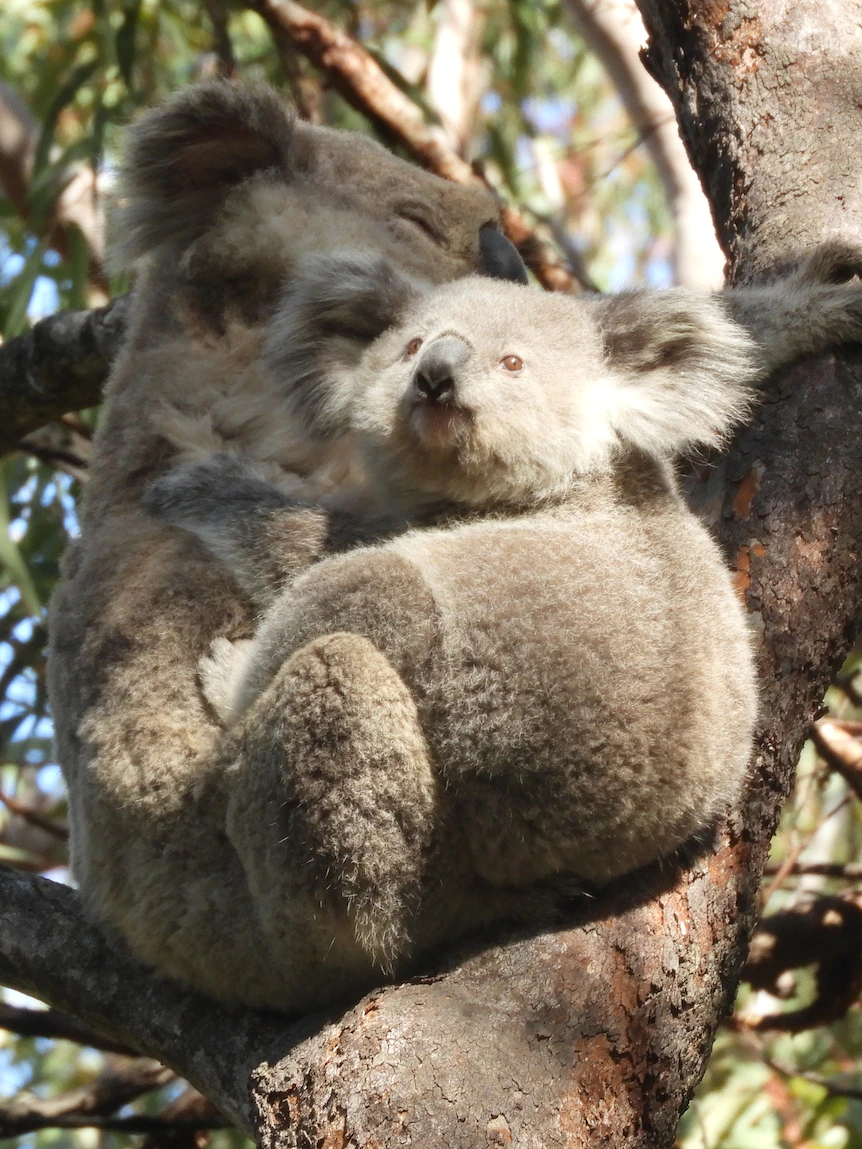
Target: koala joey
[529,661]
[222,196]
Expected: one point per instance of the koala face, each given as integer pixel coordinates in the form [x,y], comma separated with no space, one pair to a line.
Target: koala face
[490,393]
[227,184]
[484,393]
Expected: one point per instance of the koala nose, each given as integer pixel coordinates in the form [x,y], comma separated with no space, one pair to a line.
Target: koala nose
[498,257]
[437,371]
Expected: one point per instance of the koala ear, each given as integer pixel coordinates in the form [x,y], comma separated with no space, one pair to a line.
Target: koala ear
[184,157]
[682,369]
[334,307]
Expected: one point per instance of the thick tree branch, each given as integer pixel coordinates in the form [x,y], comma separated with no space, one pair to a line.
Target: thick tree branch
[49,950]
[59,365]
[357,76]
[773,180]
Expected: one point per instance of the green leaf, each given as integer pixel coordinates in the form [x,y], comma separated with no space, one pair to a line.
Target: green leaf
[11,558]
[63,98]
[20,291]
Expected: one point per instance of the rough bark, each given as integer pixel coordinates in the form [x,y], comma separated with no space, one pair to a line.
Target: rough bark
[767,95]
[60,365]
[49,950]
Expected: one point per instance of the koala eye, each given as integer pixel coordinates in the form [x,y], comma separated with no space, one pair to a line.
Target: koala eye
[423,225]
[414,345]
[512,362]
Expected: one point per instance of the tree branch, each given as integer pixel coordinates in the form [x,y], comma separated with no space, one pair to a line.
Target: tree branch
[85,1105]
[51,1023]
[826,933]
[49,950]
[356,75]
[614,30]
[59,365]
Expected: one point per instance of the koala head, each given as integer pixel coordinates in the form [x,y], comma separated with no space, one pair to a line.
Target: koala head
[487,392]
[227,188]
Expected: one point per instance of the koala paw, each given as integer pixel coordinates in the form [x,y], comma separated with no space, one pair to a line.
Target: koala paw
[836,261]
[220,673]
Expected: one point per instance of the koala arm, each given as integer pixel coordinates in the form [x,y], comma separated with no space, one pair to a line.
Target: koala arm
[815,305]
[265,538]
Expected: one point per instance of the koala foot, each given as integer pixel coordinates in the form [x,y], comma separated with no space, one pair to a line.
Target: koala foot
[220,673]
[358,792]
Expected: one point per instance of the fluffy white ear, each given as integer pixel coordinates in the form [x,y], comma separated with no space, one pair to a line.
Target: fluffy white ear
[681,370]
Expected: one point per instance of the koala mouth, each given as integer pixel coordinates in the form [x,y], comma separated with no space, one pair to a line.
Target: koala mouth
[437,425]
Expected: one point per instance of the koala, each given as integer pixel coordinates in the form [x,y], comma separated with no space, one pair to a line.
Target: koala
[222,196]
[530,661]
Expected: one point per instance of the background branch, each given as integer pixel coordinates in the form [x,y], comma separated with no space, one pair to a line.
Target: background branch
[60,365]
[356,75]
[51,1023]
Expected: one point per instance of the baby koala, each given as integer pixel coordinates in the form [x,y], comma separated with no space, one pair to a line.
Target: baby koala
[529,660]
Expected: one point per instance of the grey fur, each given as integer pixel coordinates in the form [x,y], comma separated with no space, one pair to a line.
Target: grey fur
[203,847]
[222,199]
[547,671]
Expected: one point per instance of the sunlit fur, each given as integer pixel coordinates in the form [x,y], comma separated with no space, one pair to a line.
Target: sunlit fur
[536,667]
[257,863]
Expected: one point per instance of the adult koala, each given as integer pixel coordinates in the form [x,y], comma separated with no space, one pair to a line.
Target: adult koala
[223,192]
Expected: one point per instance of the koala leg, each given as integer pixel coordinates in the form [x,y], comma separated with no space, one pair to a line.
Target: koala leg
[220,673]
[334,796]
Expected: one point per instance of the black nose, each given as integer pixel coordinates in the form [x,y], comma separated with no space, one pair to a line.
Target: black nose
[436,372]
[434,385]
[498,257]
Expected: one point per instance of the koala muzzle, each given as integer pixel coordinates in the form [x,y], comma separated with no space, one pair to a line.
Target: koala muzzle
[437,371]
[498,257]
